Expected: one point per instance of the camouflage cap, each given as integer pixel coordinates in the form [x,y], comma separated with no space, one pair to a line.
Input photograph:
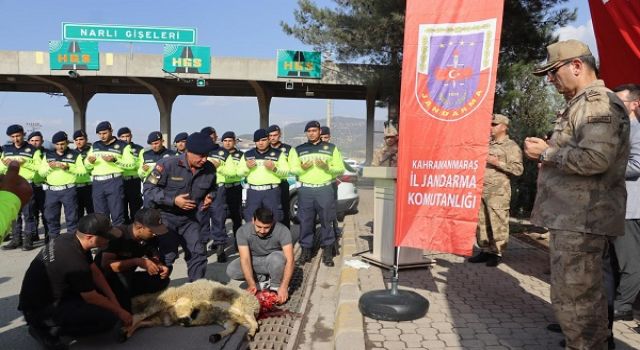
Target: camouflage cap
[560,52]
[500,119]
[390,130]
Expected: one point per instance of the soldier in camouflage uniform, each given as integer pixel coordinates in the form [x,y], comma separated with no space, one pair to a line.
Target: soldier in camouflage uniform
[387,155]
[504,160]
[581,190]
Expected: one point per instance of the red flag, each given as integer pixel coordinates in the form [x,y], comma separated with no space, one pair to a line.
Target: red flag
[616,24]
[448,82]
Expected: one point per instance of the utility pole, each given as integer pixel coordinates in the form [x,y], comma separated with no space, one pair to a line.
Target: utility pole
[329,112]
[33,126]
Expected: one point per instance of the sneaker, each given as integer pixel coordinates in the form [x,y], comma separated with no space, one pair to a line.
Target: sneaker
[264,285]
[481,257]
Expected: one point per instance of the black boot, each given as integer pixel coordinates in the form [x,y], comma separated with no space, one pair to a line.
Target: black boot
[222,256]
[482,257]
[327,255]
[305,256]
[16,241]
[26,242]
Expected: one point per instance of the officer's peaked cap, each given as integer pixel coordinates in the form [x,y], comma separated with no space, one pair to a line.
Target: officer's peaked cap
[560,52]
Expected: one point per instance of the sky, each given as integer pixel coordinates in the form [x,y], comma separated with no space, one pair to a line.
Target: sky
[249,28]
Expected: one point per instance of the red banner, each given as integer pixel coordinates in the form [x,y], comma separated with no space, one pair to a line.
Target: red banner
[448,81]
[616,24]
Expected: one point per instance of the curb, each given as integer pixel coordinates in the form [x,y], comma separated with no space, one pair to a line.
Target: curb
[348,330]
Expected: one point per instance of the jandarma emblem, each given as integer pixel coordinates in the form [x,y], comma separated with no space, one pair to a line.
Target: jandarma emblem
[454,67]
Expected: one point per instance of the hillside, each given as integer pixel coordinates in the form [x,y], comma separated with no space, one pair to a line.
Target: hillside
[347,133]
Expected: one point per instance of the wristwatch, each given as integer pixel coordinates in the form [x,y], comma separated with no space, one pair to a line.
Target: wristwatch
[543,155]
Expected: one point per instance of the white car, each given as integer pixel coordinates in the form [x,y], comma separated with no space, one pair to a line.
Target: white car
[348,197]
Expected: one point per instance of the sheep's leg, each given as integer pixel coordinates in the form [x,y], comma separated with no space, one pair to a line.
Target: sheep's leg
[245,319]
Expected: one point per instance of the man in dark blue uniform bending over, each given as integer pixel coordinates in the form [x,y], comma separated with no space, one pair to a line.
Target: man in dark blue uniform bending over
[180,187]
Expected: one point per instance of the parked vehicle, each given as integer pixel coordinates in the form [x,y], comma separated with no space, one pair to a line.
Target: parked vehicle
[348,198]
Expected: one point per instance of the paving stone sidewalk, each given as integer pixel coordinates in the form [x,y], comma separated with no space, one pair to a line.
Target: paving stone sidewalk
[472,306]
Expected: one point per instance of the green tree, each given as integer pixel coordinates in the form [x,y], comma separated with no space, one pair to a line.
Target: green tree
[372,31]
[532,105]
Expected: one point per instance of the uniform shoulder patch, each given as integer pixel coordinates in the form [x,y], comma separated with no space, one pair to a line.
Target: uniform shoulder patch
[159,168]
[593,94]
[600,119]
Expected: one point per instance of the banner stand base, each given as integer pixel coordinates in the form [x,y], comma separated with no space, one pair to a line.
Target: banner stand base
[403,265]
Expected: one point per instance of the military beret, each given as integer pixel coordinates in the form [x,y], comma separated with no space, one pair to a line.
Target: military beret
[325,130]
[124,130]
[560,52]
[500,119]
[180,137]
[14,129]
[34,134]
[208,130]
[59,137]
[79,133]
[259,135]
[199,143]
[312,124]
[154,136]
[273,128]
[102,126]
[228,135]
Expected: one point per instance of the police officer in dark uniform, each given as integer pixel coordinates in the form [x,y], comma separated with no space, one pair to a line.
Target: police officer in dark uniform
[211,132]
[180,187]
[59,168]
[83,182]
[232,184]
[150,157]
[213,221]
[29,158]
[180,143]
[36,140]
[274,139]
[264,168]
[132,184]
[107,159]
[317,164]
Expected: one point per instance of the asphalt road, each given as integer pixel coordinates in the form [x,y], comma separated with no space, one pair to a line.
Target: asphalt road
[13,329]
